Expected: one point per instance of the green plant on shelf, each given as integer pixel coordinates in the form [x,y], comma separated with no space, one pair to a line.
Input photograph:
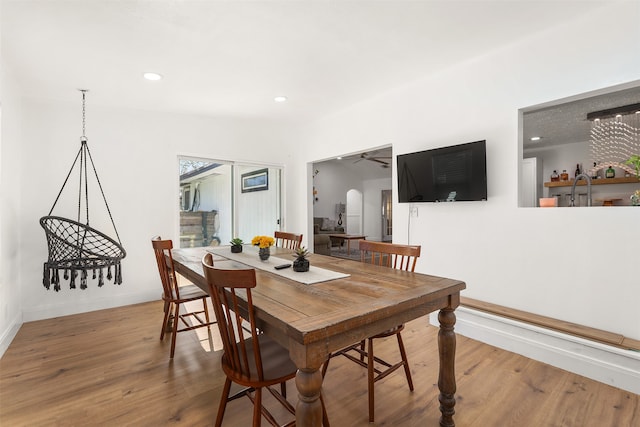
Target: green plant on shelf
[634,161]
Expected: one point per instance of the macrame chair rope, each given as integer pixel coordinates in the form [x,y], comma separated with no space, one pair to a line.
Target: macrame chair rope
[74,247]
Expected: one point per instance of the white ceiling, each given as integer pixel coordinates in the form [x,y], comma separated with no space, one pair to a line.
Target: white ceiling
[230,58]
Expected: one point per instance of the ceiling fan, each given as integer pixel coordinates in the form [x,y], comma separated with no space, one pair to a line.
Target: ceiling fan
[383,160]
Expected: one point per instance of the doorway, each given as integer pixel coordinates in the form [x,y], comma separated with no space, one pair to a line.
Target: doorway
[354,212]
[387,216]
[369,173]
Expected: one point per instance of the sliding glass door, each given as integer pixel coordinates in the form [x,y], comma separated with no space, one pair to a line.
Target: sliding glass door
[220,200]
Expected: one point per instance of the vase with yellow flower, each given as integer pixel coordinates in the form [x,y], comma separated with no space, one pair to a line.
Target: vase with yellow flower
[263,243]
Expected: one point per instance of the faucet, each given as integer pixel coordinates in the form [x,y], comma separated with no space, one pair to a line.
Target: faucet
[573,189]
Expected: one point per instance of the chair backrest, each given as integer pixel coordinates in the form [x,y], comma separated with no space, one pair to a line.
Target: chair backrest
[401,257]
[162,249]
[288,240]
[228,289]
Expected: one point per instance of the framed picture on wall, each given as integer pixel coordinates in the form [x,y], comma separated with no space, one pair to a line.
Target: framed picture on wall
[255,181]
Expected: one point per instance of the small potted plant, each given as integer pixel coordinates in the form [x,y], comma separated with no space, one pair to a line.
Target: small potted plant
[236,245]
[301,263]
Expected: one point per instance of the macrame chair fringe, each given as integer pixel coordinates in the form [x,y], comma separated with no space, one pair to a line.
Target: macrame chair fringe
[76,248]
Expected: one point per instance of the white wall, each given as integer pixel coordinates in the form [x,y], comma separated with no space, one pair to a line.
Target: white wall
[10,192]
[537,260]
[136,158]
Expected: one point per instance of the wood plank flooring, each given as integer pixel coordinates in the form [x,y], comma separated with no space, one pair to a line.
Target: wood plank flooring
[110,368]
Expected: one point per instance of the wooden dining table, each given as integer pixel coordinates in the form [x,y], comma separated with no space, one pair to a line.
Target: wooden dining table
[312,321]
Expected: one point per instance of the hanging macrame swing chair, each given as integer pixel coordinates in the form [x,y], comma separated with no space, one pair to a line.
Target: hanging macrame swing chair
[75,248]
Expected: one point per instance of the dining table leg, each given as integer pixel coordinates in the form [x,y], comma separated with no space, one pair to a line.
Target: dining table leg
[309,408]
[446,377]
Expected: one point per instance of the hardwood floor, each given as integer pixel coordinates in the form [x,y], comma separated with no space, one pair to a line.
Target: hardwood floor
[110,368]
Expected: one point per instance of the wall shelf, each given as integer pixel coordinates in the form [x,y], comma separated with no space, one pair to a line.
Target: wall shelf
[603,181]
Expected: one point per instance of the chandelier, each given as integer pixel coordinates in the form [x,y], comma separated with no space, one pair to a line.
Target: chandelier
[614,137]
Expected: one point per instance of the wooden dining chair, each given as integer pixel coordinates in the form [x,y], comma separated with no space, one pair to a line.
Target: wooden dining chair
[288,240]
[250,359]
[401,257]
[174,296]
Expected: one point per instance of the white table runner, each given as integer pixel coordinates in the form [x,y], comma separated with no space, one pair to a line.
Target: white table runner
[250,257]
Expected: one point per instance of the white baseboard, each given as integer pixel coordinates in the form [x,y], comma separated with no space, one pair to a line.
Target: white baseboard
[609,365]
[9,334]
[65,309]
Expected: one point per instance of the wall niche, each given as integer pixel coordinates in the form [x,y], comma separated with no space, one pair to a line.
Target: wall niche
[560,136]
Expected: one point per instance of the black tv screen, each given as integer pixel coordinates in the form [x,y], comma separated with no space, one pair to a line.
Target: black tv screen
[448,174]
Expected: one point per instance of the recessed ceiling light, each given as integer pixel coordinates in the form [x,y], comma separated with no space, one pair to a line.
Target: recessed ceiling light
[152,76]
[280,98]
[536,138]
[338,158]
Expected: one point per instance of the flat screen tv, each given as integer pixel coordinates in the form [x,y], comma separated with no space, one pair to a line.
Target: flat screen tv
[447,174]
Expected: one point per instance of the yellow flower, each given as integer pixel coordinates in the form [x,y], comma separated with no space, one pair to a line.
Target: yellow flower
[263,241]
